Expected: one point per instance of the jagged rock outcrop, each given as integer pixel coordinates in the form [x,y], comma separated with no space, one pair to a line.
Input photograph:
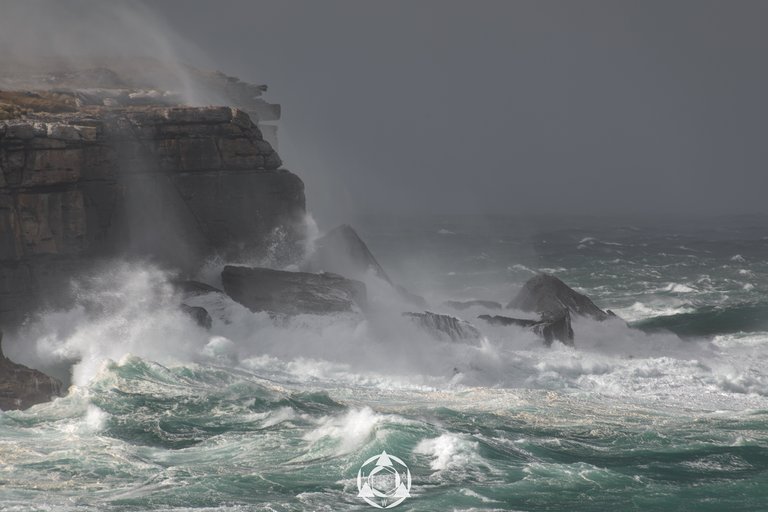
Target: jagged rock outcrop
[22,387]
[550,329]
[466,304]
[293,293]
[171,183]
[342,251]
[549,296]
[445,327]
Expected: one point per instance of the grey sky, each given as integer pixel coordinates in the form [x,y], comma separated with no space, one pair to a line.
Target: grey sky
[504,106]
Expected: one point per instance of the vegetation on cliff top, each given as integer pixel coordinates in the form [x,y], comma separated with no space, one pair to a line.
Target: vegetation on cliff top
[14,104]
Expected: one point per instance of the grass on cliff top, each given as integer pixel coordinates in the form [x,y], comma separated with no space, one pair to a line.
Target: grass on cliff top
[14,104]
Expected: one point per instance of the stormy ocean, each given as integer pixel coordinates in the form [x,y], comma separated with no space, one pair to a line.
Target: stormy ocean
[664,409]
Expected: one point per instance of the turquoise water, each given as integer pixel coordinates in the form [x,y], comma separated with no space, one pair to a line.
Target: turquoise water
[258,415]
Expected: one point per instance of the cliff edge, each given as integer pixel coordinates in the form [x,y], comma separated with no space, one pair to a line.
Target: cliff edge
[175,184]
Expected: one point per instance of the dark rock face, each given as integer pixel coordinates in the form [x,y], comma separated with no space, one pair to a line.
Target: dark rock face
[22,387]
[342,251]
[444,326]
[293,293]
[558,328]
[549,296]
[505,320]
[199,314]
[461,305]
[171,183]
[550,329]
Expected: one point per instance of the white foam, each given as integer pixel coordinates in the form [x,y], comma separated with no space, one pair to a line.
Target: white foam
[640,310]
[553,270]
[138,314]
[449,451]
[221,349]
[278,416]
[349,431]
[519,266]
[592,241]
[128,308]
[678,288]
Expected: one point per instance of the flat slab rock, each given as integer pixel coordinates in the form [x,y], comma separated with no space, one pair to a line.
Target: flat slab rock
[293,293]
[445,326]
[550,329]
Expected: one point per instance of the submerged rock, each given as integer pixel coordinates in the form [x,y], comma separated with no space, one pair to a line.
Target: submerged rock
[549,296]
[342,251]
[550,329]
[442,326]
[22,387]
[293,293]
[488,304]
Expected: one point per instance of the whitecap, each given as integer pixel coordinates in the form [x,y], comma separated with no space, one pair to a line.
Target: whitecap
[640,311]
[518,266]
[449,451]
[678,288]
[348,431]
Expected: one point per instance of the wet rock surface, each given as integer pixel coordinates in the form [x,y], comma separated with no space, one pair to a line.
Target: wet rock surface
[549,296]
[445,327]
[22,387]
[550,329]
[293,293]
[171,183]
[199,314]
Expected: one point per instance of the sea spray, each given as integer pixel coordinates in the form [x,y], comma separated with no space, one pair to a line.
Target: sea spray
[281,414]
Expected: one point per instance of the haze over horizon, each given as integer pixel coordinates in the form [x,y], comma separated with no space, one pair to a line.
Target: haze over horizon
[548,291]
[592,107]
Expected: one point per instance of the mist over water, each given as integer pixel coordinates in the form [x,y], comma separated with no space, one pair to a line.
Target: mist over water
[280,413]
[539,109]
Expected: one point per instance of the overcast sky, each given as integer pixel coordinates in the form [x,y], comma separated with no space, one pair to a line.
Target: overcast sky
[504,106]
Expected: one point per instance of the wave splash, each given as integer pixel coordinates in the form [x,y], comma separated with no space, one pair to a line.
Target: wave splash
[133,310]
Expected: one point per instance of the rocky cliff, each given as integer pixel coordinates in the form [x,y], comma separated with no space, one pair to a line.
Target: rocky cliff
[171,183]
[22,387]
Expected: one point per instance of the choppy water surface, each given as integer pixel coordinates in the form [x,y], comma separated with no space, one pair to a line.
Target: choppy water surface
[257,416]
